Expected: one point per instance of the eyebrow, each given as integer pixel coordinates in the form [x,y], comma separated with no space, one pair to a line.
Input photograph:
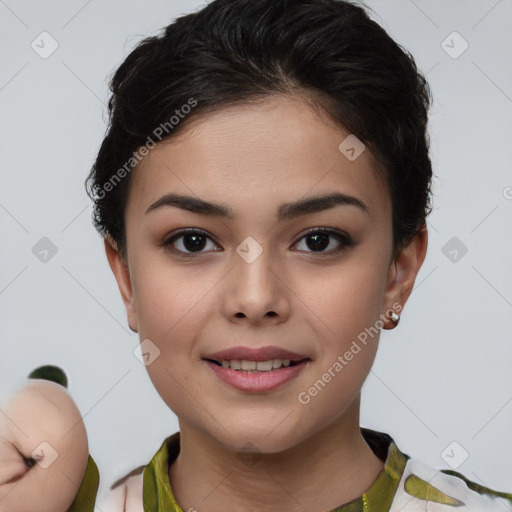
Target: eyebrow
[285,211]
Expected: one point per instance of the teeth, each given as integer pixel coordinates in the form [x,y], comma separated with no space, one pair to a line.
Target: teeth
[260,366]
[248,365]
[264,366]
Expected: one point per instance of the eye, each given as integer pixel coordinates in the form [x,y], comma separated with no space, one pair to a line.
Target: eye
[319,240]
[194,240]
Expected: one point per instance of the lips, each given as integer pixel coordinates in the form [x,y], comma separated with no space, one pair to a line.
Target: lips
[257,381]
[255,354]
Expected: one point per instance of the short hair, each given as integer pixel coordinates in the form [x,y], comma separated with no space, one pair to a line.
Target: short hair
[243,51]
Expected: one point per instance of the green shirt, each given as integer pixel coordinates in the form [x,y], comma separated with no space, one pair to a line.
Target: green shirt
[405,485]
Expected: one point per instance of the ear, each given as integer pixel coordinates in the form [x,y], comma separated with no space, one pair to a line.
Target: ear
[122,275]
[402,274]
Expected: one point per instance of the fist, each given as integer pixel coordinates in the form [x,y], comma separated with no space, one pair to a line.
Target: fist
[43,449]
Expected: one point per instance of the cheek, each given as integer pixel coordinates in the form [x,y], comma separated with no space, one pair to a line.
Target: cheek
[173,308]
[168,299]
[342,301]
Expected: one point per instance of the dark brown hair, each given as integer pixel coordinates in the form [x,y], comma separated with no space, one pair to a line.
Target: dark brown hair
[238,51]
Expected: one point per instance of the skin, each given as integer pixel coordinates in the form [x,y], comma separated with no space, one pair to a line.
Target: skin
[41,412]
[254,158]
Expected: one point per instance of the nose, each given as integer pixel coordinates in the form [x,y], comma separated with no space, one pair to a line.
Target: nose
[256,290]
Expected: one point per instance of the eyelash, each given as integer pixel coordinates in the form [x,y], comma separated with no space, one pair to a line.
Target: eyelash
[344,239]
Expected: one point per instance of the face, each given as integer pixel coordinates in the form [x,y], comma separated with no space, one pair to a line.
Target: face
[260,271]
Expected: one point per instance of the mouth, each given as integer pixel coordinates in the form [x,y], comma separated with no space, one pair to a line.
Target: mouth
[256,369]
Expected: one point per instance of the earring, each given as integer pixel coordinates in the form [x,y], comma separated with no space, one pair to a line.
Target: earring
[395,318]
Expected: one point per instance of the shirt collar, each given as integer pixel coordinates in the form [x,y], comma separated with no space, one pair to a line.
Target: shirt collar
[158,495]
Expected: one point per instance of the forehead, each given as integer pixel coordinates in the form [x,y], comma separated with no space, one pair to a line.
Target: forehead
[253,155]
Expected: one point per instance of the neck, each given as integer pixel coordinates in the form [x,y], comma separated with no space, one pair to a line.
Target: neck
[329,469]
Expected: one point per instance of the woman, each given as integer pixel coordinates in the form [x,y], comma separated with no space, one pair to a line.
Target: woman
[263,191]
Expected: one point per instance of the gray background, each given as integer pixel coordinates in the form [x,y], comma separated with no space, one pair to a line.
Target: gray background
[442,376]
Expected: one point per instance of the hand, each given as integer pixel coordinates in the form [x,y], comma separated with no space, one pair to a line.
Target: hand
[43,449]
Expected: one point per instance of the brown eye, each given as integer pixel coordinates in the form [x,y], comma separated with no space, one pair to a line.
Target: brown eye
[318,239]
[191,241]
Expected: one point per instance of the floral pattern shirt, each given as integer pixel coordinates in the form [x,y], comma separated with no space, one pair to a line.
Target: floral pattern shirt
[405,485]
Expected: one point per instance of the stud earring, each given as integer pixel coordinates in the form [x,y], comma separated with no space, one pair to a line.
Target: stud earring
[395,318]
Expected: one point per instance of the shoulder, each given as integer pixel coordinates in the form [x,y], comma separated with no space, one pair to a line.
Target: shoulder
[423,488]
[126,494]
